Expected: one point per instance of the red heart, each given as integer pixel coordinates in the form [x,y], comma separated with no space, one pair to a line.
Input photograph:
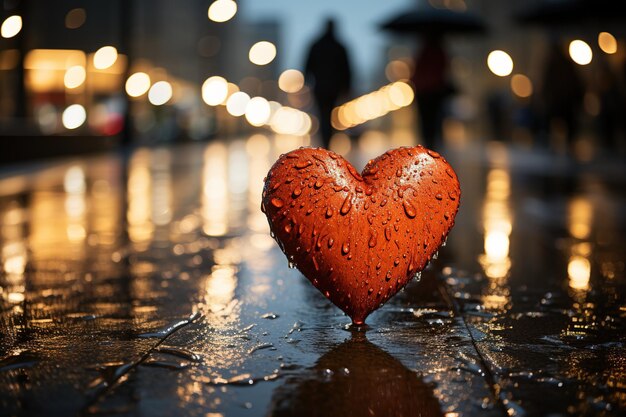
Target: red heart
[360,238]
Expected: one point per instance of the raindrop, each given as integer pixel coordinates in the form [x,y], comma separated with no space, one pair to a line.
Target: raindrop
[270,316]
[277,202]
[433,154]
[318,184]
[409,210]
[275,186]
[291,265]
[303,164]
[449,172]
[296,192]
[396,262]
[346,206]
[288,228]
[388,233]
[331,242]
[345,248]
[329,212]
[372,242]
[438,196]
[452,195]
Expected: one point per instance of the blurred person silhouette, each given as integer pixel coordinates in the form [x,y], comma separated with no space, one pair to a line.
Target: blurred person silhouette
[432,87]
[562,94]
[327,69]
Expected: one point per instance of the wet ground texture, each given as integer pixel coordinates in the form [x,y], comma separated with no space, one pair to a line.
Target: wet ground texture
[147,284]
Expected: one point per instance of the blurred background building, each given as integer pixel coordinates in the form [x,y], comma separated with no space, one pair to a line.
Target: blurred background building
[78,76]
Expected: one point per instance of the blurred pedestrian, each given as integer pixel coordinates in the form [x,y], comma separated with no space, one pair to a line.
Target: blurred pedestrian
[562,93]
[327,69]
[432,85]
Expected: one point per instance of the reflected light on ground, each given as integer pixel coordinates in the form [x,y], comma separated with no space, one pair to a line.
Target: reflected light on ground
[521,86]
[237,103]
[258,148]
[500,63]
[579,272]
[160,93]
[137,84]
[161,188]
[497,226]
[214,90]
[215,190]
[607,43]
[105,57]
[262,53]
[74,76]
[291,81]
[580,52]
[222,10]
[580,217]
[74,116]
[11,26]
[75,186]
[140,227]
[258,111]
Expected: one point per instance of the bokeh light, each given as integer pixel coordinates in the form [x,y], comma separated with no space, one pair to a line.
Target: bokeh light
[258,111]
[500,63]
[397,70]
[74,116]
[137,84]
[214,90]
[160,93]
[237,103]
[222,10]
[607,43]
[580,52]
[262,53]
[75,18]
[11,26]
[105,57]
[291,81]
[74,76]
[521,85]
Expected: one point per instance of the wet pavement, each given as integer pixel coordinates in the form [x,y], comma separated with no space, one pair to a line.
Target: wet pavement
[147,284]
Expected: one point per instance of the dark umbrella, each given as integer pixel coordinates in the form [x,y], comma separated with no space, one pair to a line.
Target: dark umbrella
[431,21]
[556,12]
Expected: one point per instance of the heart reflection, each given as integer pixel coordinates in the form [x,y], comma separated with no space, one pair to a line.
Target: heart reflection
[356,378]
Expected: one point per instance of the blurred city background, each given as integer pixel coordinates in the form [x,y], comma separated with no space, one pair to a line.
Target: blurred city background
[78,76]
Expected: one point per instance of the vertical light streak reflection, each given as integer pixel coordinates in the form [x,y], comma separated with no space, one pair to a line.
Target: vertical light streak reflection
[13,254]
[497,224]
[258,149]
[75,186]
[215,190]
[140,227]
[161,188]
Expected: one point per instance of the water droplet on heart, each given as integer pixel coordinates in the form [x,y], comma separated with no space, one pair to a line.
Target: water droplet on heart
[396,227]
[318,184]
[396,261]
[433,154]
[452,195]
[291,265]
[438,196]
[399,172]
[296,192]
[446,215]
[331,242]
[329,212]
[409,210]
[378,265]
[388,233]
[436,255]
[382,203]
[346,206]
[288,228]
[418,276]
[345,248]
[275,186]
[372,242]
[371,290]
[388,275]
[449,172]
[277,202]
[309,211]
[400,192]
[272,235]
[300,229]
[303,164]
[288,180]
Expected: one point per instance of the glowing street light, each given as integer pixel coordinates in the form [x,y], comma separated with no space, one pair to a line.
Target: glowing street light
[74,116]
[137,84]
[105,57]
[11,26]
[580,52]
[74,76]
[160,93]
[262,53]
[291,81]
[222,10]
[500,63]
[214,91]
[237,103]
[258,111]
[521,86]
[607,43]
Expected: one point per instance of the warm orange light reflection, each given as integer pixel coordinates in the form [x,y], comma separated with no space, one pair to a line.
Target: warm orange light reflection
[215,190]
[140,227]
